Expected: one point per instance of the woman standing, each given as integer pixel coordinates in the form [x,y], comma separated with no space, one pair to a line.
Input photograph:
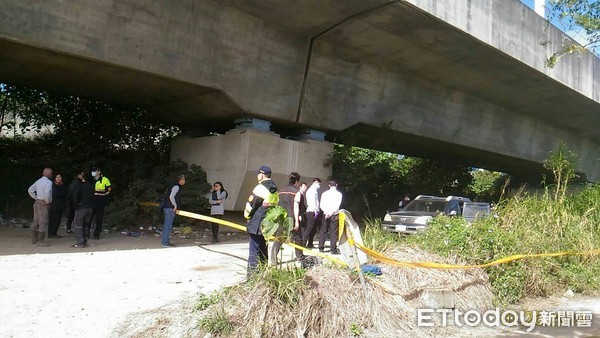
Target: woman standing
[216,207]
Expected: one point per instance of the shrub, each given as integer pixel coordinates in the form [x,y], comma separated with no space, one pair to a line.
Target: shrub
[526,225]
[150,186]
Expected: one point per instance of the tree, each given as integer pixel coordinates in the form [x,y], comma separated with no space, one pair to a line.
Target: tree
[76,133]
[562,162]
[486,185]
[375,181]
[431,177]
[372,180]
[576,14]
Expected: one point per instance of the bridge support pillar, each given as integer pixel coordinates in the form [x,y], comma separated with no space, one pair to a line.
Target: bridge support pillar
[234,158]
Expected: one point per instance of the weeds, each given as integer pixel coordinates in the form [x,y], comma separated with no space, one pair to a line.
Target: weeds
[526,225]
[205,301]
[217,322]
[550,222]
[287,284]
[562,163]
[376,238]
[355,330]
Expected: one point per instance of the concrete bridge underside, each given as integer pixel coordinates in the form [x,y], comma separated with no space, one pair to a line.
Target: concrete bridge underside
[461,81]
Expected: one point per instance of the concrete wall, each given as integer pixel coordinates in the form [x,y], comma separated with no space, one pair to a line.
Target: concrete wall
[234,159]
[460,74]
[514,29]
[381,97]
[205,43]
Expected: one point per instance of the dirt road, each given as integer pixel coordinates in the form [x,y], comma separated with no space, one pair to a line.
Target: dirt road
[61,291]
[132,287]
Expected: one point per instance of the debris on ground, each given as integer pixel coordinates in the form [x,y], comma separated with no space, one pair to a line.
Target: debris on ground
[333,303]
[15,222]
[183,232]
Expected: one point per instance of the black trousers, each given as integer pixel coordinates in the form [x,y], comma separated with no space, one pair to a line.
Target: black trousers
[257,251]
[329,225]
[296,237]
[70,216]
[98,215]
[215,226]
[83,218]
[308,234]
[54,218]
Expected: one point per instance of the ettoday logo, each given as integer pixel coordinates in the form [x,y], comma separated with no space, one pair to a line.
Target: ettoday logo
[508,318]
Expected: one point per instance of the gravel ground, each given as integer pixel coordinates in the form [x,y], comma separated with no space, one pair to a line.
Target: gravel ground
[93,292]
[132,287]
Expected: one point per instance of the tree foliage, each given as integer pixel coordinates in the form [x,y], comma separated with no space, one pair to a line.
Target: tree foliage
[576,15]
[371,179]
[486,185]
[562,163]
[148,182]
[83,128]
[69,133]
[431,177]
[374,181]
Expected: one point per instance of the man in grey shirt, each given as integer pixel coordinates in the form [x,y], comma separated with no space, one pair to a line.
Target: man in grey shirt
[41,192]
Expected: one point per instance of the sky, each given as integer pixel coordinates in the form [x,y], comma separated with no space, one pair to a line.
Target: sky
[578,34]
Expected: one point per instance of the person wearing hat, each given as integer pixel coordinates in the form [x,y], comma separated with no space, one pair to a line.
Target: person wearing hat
[102,189]
[264,195]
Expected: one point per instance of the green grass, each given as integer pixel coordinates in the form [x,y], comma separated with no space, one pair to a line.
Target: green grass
[287,284]
[374,237]
[523,225]
[217,323]
[204,301]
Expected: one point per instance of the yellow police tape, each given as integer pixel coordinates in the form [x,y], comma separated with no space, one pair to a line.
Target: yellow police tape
[243,228]
[381,257]
[431,265]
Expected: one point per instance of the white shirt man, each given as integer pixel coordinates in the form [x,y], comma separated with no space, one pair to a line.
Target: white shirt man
[312,213]
[331,200]
[41,192]
[312,196]
[42,188]
[330,205]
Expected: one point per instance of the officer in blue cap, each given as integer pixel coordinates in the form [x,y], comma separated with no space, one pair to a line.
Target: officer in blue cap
[264,195]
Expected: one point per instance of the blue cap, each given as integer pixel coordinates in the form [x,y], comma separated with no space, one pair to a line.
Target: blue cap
[264,170]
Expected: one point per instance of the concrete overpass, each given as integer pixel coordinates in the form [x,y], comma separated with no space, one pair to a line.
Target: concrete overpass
[463,81]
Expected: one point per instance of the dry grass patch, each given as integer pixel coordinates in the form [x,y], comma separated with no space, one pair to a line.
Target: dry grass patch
[329,302]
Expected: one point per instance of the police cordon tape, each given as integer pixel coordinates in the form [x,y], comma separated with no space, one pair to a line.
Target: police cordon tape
[383,258]
[243,228]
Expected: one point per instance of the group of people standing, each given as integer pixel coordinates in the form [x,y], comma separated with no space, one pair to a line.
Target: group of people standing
[85,200]
[309,212]
[171,202]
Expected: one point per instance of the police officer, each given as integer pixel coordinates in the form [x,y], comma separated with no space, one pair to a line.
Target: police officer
[101,190]
[264,195]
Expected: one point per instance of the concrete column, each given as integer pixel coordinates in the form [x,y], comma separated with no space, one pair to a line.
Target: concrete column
[234,158]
